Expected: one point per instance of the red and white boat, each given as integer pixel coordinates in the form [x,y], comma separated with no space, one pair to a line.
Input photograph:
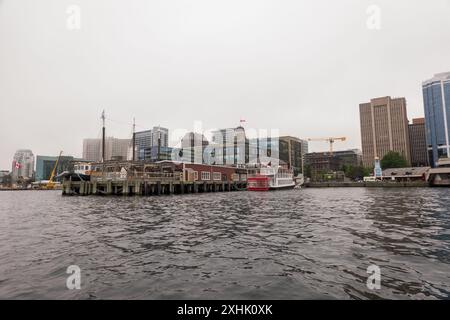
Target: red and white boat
[265,178]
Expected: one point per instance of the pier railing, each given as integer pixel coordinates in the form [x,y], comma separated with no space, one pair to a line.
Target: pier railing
[146,176]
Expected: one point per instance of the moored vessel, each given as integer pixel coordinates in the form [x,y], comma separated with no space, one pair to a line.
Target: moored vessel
[266,177]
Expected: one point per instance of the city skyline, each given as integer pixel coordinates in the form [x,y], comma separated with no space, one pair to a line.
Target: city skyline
[178,72]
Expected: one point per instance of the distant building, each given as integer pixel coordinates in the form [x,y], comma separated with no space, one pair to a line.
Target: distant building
[418,143]
[384,128]
[115,149]
[292,151]
[406,174]
[436,100]
[148,139]
[324,162]
[23,164]
[193,146]
[3,173]
[45,165]
[230,147]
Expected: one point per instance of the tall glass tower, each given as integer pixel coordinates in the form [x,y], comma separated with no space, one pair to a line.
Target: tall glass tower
[436,100]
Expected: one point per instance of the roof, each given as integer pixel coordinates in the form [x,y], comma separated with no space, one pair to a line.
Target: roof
[406,172]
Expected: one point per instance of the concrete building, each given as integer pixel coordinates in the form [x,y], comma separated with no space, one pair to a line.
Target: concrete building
[145,141]
[193,146]
[292,151]
[436,100]
[324,162]
[3,173]
[45,165]
[418,143]
[229,146]
[23,164]
[406,174]
[384,128]
[115,149]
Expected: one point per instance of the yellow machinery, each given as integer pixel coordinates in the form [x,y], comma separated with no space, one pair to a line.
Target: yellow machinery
[330,140]
[51,184]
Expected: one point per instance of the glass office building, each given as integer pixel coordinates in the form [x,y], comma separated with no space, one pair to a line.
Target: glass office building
[436,99]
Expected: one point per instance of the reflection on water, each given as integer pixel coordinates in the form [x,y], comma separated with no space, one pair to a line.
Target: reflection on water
[299,244]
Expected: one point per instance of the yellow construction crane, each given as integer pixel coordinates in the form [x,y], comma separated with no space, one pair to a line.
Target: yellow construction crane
[51,184]
[330,140]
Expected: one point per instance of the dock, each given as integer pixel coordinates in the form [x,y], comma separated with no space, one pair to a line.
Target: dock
[165,178]
[146,187]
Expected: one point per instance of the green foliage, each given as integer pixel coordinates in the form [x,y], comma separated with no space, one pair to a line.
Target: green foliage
[307,171]
[355,173]
[393,160]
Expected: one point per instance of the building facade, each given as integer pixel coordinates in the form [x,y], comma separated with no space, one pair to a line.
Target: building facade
[292,151]
[146,141]
[229,147]
[436,100]
[23,164]
[193,146]
[417,139]
[324,162]
[115,149]
[384,128]
[45,165]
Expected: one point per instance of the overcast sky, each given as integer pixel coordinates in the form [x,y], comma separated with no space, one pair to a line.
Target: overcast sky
[301,67]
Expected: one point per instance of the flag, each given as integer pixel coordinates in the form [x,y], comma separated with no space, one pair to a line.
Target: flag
[16,165]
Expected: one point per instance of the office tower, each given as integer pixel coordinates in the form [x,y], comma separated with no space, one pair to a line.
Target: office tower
[417,139]
[384,128]
[115,149]
[23,164]
[436,100]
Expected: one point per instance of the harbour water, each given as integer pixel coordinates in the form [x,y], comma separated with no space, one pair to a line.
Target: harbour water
[298,244]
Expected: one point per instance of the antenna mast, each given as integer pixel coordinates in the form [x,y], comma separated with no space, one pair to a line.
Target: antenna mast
[134,140]
[103,136]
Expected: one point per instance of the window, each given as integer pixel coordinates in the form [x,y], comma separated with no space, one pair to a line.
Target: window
[195,175]
[235,177]
[217,176]
[206,175]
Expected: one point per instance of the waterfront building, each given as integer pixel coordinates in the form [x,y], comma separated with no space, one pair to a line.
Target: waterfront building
[418,143]
[3,173]
[292,151]
[45,165]
[115,149]
[23,164]
[384,128]
[436,100]
[324,162]
[193,146]
[406,174]
[145,141]
[229,146]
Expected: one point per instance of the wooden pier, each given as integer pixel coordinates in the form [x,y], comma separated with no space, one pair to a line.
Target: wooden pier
[146,188]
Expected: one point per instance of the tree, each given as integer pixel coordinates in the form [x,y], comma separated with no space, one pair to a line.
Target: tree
[393,160]
[355,173]
[308,171]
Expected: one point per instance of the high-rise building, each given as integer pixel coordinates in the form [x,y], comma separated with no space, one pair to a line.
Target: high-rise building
[230,146]
[115,149]
[292,151]
[417,139]
[23,164]
[384,128]
[193,147]
[436,100]
[45,165]
[146,141]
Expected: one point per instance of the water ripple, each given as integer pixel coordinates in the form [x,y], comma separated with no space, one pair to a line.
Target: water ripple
[300,244]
